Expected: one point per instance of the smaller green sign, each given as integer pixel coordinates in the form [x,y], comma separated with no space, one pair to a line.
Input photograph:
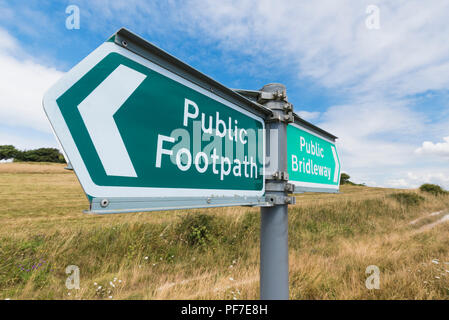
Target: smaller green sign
[313,163]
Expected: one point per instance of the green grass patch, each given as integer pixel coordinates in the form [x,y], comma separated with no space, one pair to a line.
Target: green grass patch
[407,198]
[434,189]
[198,229]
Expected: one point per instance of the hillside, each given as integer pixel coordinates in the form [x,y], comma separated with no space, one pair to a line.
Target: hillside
[213,253]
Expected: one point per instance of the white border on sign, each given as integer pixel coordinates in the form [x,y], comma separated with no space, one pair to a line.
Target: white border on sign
[311,184]
[66,140]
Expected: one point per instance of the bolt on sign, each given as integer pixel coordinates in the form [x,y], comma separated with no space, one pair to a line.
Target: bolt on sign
[143,131]
[313,163]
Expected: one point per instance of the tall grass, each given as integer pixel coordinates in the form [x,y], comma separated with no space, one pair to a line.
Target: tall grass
[214,253]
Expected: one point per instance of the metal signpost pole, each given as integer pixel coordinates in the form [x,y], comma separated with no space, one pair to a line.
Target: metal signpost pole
[274,284]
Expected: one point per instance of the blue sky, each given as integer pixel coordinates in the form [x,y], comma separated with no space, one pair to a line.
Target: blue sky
[384,92]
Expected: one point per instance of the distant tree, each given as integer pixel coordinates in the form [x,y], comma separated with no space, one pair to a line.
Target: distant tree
[432,188]
[8,152]
[344,178]
[40,155]
[36,155]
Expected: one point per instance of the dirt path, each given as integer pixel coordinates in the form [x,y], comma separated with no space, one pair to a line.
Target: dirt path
[433,224]
[433,214]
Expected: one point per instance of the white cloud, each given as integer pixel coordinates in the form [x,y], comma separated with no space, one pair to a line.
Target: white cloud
[370,133]
[26,141]
[414,179]
[398,183]
[438,149]
[328,40]
[441,177]
[7,43]
[309,116]
[22,86]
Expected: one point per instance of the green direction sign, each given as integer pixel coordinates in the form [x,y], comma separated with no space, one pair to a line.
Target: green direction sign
[313,163]
[141,137]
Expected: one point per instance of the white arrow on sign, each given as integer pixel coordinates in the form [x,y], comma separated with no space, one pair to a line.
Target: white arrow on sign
[337,165]
[97,111]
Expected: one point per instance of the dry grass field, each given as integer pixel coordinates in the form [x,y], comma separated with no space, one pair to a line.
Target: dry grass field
[214,253]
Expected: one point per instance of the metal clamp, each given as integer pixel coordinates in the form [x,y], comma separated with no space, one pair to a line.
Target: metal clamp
[290,200]
[289,187]
[280,200]
[288,107]
[278,176]
[287,118]
[276,95]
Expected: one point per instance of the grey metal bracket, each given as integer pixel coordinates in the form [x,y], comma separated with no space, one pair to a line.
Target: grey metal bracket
[288,107]
[277,95]
[280,200]
[122,205]
[261,205]
[276,186]
[263,96]
[287,118]
[289,188]
[283,176]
